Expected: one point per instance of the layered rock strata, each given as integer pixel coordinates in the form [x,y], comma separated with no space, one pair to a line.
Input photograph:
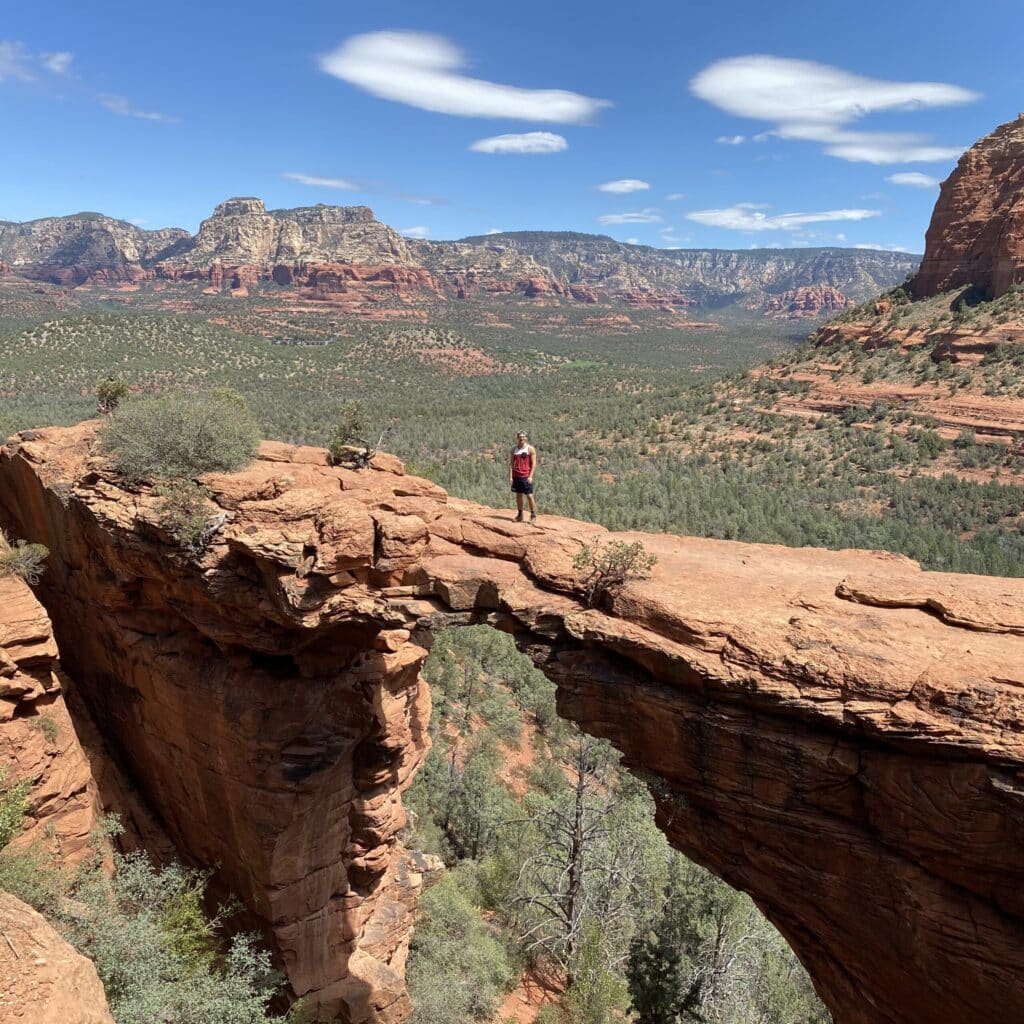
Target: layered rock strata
[38,739]
[242,244]
[976,234]
[837,733]
[807,302]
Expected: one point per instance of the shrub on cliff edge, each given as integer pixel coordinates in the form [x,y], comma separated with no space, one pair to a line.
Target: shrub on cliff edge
[21,559]
[180,435]
[607,567]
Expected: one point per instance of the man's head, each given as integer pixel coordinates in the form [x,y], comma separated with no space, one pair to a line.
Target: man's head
[521,438]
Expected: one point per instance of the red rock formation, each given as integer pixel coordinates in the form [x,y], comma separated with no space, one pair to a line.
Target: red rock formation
[976,234]
[42,979]
[812,301]
[837,733]
[665,302]
[38,740]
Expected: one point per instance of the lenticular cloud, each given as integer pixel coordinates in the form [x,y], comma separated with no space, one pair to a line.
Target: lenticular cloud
[815,102]
[425,71]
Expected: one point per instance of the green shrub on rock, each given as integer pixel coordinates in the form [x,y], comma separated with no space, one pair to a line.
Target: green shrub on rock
[110,393]
[185,515]
[21,559]
[180,435]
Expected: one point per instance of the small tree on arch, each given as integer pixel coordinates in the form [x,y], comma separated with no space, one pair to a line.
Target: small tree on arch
[349,443]
[608,566]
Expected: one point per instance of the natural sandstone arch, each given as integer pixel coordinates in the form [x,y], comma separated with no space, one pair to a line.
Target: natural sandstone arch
[836,733]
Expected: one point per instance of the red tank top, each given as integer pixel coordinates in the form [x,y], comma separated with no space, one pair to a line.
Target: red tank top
[521,463]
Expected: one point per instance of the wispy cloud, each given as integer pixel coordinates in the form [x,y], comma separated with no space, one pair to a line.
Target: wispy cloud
[19,64]
[57,63]
[123,107]
[815,102]
[16,62]
[420,200]
[494,231]
[419,231]
[624,185]
[731,140]
[426,71]
[527,142]
[883,248]
[915,179]
[317,182]
[648,216]
[751,217]
[674,197]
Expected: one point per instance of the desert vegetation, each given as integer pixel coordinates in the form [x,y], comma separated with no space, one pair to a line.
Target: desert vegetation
[158,952]
[180,435]
[22,559]
[558,873]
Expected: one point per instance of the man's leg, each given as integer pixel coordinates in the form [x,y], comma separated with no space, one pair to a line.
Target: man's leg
[519,504]
[533,505]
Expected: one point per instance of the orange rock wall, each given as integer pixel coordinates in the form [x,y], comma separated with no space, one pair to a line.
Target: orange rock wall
[976,234]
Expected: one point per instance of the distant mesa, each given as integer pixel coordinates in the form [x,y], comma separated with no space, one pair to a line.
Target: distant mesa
[343,254]
[807,302]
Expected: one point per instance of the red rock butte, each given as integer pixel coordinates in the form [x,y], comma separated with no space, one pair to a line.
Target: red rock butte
[976,234]
[837,733]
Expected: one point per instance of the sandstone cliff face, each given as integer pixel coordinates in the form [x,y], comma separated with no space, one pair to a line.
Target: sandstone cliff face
[837,733]
[701,276]
[807,302]
[242,232]
[86,246]
[42,979]
[976,234]
[242,244]
[38,739]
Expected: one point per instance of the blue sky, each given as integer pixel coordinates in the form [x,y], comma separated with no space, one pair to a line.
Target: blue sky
[730,123]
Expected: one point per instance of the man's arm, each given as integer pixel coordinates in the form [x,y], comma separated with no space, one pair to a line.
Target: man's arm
[533,462]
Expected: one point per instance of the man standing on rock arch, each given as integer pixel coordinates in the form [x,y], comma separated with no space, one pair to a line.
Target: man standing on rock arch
[521,467]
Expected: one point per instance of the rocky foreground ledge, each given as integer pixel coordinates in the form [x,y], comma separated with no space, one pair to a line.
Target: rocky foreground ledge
[837,733]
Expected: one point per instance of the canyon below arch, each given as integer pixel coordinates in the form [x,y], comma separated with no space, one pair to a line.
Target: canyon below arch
[837,733]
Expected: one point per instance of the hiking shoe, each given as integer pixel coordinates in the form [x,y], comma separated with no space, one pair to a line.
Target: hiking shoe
[533,517]
[519,517]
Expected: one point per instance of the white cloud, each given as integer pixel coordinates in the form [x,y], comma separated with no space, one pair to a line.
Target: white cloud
[312,179]
[139,222]
[121,106]
[624,185]
[674,197]
[421,200]
[882,248]
[527,142]
[494,231]
[731,140]
[57,63]
[915,179]
[15,62]
[20,64]
[648,216]
[425,71]
[633,241]
[749,217]
[815,102]
[419,231]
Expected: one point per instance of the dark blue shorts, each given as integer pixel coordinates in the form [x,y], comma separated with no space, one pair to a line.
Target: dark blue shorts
[521,485]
